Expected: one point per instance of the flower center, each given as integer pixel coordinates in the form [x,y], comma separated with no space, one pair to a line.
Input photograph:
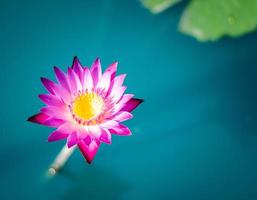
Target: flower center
[88,106]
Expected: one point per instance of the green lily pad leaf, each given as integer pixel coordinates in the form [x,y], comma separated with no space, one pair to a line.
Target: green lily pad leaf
[208,20]
[157,6]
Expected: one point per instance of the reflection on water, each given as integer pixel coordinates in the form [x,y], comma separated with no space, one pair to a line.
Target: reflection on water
[94,184]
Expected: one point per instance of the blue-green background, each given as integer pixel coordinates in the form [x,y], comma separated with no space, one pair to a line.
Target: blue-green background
[195,137]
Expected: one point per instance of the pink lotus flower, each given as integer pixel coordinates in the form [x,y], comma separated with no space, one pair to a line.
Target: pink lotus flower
[86,106]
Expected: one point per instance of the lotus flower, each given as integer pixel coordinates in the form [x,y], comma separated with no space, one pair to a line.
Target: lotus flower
[86,106]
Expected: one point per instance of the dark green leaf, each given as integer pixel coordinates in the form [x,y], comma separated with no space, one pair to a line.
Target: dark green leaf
[157,6]
[212,19]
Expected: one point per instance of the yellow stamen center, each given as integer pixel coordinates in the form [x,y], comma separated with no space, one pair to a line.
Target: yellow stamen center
[88,106]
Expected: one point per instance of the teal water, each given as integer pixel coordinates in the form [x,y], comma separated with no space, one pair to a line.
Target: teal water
[195,137]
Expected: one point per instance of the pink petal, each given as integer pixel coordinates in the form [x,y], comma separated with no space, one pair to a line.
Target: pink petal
[122,116]
[72,139]
[57,90]
[116,83]
[74,81]
[77,67]
[88,139]
[48,84]
[62,93]
[39,118]
[89,151]
[124,99]
[132,104]
[112,69]
[62,78]
[82,133]
[116,94]
[57,112]
[87,80]
[96,71]
[53,122]
[120,130]
[67,128]
[109,124]
[56,135]
[106,136]
[46,120]
[94,131]
[51,100]
[104,82]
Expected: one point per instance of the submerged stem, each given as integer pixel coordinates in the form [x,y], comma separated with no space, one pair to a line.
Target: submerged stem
[60,159]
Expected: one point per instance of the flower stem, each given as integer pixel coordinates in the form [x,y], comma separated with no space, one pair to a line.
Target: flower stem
[60,159]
